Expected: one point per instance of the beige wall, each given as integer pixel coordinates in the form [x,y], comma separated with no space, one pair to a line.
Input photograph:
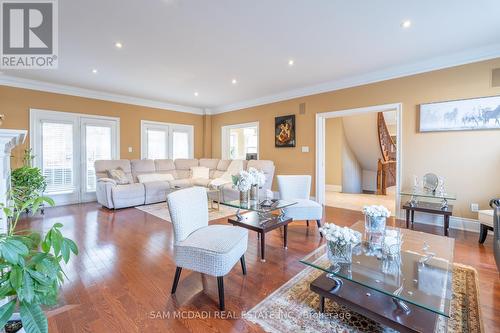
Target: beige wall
[333,151]
[15,104]
[468,160]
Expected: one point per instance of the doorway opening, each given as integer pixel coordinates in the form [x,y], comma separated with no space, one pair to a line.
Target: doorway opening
[358,159]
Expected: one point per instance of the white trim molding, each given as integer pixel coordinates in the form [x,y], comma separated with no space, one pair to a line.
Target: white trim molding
[320,144]
[12,81]
[441,62]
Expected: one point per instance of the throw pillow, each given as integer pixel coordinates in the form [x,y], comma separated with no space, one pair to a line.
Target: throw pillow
[155,177]
[200,172]
[119,176]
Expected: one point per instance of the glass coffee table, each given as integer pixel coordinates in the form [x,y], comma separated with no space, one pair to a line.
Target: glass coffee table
[410,292]
[261,218]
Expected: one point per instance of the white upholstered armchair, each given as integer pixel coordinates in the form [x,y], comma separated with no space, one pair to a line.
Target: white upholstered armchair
[212,250]
[297,188]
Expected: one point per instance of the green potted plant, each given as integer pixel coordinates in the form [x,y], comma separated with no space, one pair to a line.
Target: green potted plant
[28,181]
[30,266]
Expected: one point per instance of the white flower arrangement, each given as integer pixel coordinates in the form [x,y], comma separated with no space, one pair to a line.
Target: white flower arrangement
[257,177]
[376,211]
[243,181]
[340,235]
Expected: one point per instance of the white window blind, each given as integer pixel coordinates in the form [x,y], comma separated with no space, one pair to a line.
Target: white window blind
[180,145]
[57,156]
[98,145]
[157,144]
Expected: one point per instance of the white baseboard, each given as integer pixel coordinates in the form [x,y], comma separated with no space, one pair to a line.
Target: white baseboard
[458,223]
[333,188]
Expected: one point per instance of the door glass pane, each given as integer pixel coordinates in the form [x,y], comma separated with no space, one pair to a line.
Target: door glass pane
[242,141]
[157,144]
[98,147]
[57,156]
[180,145]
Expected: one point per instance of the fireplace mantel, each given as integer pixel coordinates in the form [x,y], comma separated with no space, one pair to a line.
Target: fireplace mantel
[9,138]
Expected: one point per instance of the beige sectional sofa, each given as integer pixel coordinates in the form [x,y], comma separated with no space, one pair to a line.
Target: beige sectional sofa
[113,195]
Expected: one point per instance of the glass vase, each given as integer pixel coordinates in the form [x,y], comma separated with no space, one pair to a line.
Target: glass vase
[254,193]
[339,254]
[375,223]
[243,196]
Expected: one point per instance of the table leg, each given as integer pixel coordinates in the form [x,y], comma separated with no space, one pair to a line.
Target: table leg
[262,247]
[407,219]
[321,304]
[446,224]
[285,232]
[483,233]
[412,218]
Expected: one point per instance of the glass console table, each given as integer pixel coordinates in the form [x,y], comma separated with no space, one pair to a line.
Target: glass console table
[417,281]
[421,193]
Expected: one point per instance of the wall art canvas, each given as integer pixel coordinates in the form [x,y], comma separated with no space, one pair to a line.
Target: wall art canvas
[284,131]
[461,115]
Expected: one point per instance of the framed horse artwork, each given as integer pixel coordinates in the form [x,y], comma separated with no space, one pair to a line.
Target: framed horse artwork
[481,113]
[284,131]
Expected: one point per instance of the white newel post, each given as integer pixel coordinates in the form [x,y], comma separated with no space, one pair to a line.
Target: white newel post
[8,140]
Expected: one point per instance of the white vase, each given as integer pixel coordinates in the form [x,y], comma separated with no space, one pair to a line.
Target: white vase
[375,223]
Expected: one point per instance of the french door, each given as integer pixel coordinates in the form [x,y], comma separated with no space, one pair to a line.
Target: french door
[66,146]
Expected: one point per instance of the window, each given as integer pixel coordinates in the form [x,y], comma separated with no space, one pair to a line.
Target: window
[57,153]
[66,145]
[240,140]
[166,141]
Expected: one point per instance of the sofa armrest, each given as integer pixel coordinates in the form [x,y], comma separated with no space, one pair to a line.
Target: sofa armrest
[107,180]
[103,192]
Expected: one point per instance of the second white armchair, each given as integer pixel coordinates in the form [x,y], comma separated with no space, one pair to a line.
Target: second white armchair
[297,188]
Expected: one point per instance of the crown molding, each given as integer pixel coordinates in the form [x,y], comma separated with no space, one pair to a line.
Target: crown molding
[12,81]
[441,62]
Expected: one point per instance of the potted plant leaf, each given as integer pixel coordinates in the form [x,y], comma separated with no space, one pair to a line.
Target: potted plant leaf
[30,267]
[28,181]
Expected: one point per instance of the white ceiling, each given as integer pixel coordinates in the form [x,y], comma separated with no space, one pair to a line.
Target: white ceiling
[172,48]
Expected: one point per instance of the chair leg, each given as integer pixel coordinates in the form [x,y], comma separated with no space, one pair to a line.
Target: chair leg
[220,285]
[307,222]
[318,222]
[177,276]
[243,265]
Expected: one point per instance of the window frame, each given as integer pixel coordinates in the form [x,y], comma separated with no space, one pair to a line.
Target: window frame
[170,128]
[225,137]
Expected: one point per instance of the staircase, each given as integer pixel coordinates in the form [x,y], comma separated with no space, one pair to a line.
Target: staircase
[386,169]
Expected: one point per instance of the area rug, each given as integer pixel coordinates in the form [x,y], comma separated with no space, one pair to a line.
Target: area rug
[294,308]
[161,210]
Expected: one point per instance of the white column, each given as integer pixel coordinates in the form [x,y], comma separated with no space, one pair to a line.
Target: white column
[8,140]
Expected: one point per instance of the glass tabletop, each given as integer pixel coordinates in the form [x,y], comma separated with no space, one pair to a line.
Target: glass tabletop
[263,206]
[428,194]
[420,274]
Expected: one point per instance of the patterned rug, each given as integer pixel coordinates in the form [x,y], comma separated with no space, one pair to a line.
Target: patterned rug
[161,210]
[293,308]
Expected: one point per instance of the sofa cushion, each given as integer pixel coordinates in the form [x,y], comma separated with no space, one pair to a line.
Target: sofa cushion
[200,172]
[183,167]
[102,167]
[141,167]
[128,195]
[156,191]
[182,183]
[119,176]
[154,177]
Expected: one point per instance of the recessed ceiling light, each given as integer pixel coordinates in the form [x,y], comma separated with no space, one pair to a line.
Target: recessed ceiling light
[234,81]
[94,71]
[118,45]
[196,93]
[291,62]
[406,24]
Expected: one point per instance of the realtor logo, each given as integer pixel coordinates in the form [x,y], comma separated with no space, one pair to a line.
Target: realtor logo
[29,34]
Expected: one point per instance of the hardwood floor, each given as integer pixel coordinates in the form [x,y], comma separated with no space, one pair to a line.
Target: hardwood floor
[121,280]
